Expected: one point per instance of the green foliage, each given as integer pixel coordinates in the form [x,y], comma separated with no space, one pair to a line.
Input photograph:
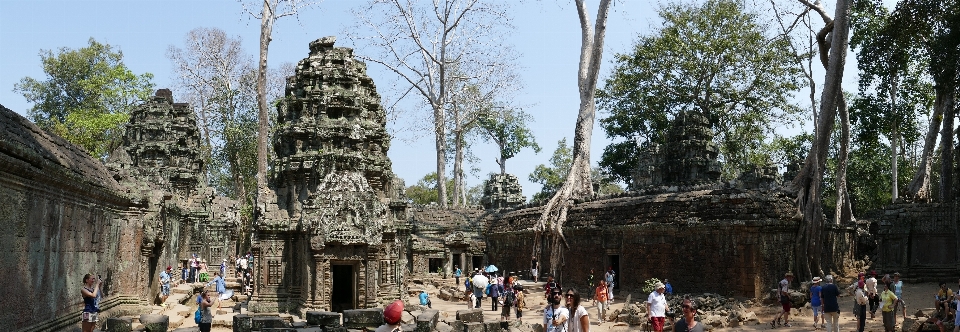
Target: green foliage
[552,177]
[650,285]
[715,58]
[509,129]
[425,191]
[87,96]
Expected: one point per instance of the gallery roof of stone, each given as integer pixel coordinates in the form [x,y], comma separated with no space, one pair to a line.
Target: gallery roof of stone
[26,142]
[430,218]
[749,207]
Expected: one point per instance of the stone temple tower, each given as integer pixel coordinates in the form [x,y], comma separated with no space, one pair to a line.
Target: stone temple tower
[328,239]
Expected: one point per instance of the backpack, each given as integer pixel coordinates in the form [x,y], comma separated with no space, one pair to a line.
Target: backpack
[467,284]
[197,316]
[508,298]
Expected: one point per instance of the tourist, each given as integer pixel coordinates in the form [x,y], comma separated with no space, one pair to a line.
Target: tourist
[392,315]
[521,303]
[549,286]
[860,305]
[495,290]
[580,320]
[221,287]
[91,305]
[956,317]
[555,316]
[194,266]
[608,277]
[479,286]
[509,298]
[590,279]
[238,267]
[784,292]
[889,300]
[456,275]
[669,287]
[223,268]
[600,298]
[165,285]
[468,290]
[688,323]
[870,286]
[185,274]
[206,315]
[242,265]
[944,296]
[425,299]
[657,307]
[829,294]
[816,305]
[534,270]
[897,286]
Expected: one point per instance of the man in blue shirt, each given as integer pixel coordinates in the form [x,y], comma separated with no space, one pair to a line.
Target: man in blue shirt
[831,308]
[456,274]
[425,298]
[669,287]
[165,285]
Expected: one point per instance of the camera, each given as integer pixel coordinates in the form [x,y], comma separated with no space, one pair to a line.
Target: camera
[671,314]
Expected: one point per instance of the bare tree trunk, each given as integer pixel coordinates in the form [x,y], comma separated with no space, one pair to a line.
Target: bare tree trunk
[894,138]
[457,158]
[919,188]
[440,134]
[844,212]
[946,145]
[263,127]
[578,182]
[808,248]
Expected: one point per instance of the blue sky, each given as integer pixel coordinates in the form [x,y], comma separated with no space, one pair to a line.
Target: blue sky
[546,36]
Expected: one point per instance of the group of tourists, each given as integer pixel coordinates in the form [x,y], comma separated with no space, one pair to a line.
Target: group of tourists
[870,294]
[504,293]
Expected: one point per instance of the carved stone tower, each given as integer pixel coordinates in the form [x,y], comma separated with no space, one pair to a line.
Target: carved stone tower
[690,154]
[329,240]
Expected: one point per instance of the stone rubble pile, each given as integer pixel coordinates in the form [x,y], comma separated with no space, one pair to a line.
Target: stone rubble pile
[714,311]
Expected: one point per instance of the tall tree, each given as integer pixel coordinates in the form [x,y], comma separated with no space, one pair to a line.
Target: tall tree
[270,12]
[714,57]
[551,177]
[578,182]
[808,182]
[425,43]
[508,129]
[87,96]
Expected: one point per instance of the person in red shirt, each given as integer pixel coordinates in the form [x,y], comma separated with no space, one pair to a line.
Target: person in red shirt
[600,297]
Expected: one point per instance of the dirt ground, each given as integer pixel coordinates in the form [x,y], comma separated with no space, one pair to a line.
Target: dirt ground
[917,296]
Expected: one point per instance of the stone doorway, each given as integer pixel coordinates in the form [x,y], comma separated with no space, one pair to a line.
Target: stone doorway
[343,287]
[478,263]
[614,261]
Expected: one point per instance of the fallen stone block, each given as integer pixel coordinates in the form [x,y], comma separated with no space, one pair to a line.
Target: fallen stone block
[456,325]
[473,327]
[470,315]
[223,321]
[427,320]
[323,318]
[155,323]
[263,322]
[188,329]
[298,325]
[242,323]
[175,321]
[118,324]
[444,327]
[408,327]
[491,326]
[310,329]
[360,318]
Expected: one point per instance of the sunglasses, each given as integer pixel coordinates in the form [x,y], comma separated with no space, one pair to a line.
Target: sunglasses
[568,295]
[687,307]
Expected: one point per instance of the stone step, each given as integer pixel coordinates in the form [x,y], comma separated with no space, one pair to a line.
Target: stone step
[175,321]
[225,320]
[182,289]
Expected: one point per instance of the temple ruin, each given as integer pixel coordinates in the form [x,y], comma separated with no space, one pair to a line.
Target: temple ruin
[334,231]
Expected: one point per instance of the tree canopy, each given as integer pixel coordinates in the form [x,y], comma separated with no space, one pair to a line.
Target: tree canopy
[87,96]
[508,129]
[716,58]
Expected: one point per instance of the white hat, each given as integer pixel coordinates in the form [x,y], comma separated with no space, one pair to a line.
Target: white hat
[660,285]
[816,279]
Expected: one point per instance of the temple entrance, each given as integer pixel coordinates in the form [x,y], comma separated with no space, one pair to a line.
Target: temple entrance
[435,265]
[615,263]
[458,262]
[478,262]
[343,288]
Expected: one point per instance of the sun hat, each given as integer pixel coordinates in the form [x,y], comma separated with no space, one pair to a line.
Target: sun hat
[788,274]
[816,279]
[393,312]
[660,285]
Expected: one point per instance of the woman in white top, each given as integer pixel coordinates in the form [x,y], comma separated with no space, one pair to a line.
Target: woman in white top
[579,319]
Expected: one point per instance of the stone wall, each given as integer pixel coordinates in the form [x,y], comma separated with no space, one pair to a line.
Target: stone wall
[454,235]
[918,240]
[64,216]
[731,241]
